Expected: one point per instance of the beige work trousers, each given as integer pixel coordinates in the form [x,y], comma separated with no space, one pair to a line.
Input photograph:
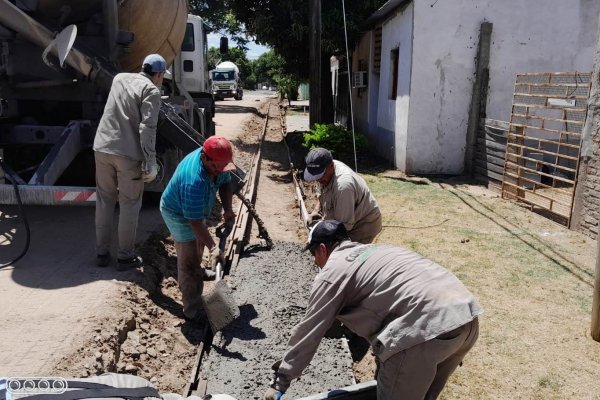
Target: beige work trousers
[190,276]
[117,178]
[366,230]
[421,372]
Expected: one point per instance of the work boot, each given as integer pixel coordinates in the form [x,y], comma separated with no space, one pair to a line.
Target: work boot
[103,260]
[199,319]
[129,263]
[209,275]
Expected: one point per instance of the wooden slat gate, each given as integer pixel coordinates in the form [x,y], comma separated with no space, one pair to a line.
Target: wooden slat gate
[544,138]
[490,152]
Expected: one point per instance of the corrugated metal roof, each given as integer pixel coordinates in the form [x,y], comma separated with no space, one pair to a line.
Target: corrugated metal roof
[384,12]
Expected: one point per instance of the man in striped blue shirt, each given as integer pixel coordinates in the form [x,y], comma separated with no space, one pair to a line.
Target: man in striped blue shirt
[185,205]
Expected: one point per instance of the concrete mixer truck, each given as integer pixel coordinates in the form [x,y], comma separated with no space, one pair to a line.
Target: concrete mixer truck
[226,81]
[57,60]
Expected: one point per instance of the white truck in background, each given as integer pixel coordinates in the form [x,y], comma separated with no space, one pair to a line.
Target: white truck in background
[226,81]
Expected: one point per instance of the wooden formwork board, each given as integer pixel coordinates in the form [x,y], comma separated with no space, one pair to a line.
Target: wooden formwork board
[544,139]
[490,151]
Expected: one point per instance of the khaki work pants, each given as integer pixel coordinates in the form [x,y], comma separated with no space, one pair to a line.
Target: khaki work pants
[117,178]
[190,276]
[367,230]
[421,372]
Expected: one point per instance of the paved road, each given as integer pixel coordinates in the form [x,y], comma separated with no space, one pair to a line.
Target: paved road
[51,299]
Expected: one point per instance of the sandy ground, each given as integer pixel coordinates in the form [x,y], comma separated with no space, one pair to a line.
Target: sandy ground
[53,297]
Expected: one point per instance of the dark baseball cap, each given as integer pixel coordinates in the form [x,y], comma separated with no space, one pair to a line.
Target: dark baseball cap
[326,231]
[316,161]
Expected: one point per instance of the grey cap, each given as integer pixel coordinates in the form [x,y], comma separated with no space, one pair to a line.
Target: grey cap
[327,231]
[156,62]
[316,161]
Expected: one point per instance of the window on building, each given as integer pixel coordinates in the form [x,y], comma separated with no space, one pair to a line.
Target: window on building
[395,59]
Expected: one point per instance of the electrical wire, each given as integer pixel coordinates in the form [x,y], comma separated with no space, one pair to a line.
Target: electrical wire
[21,213]
[349,86]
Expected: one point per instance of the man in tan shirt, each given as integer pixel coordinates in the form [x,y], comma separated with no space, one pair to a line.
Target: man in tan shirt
[343,196]
[419,318]
[124,150]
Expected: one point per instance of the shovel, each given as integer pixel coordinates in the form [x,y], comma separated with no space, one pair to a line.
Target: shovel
[219,304]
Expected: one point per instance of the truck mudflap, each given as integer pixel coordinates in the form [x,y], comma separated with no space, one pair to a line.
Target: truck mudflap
[49,195]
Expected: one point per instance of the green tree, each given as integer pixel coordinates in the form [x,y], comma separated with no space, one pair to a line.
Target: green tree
[268,67]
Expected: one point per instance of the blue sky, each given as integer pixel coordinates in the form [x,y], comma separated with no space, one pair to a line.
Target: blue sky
[254,50]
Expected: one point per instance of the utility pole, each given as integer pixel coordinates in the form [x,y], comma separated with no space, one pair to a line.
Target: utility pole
[592,126]
[478,99]
[315,107]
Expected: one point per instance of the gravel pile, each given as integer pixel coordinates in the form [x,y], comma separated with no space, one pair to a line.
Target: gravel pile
[272,289]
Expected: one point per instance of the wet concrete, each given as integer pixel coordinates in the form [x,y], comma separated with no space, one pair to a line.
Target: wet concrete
[272,288]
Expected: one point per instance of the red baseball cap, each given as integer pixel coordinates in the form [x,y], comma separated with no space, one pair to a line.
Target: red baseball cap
[219,150]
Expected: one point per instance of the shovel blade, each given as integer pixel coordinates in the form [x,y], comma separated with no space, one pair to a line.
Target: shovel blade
[220,306]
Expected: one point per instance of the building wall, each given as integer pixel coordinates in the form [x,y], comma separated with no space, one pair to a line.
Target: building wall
[528,36]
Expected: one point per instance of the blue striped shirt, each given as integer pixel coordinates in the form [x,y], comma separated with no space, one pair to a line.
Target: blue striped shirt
[191,193]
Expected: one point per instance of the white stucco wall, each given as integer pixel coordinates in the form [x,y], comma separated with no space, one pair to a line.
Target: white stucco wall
[527,36]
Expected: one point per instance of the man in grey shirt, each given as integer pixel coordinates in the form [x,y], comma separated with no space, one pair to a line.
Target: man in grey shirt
[419,318]
[125,157]
[343,196]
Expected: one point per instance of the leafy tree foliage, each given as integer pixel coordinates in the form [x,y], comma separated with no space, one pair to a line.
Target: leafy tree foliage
[268,67]
[284,25]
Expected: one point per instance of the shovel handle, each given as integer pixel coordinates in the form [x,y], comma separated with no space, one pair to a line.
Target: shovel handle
[218,272]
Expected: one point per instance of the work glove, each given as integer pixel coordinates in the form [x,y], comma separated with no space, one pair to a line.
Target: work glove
[149,172]
[273,394]
[313,218]
[216,255]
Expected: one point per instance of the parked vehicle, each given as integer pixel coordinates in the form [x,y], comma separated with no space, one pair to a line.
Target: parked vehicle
[226,81]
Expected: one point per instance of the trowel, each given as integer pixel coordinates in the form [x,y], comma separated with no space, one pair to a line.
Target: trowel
[219,304]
